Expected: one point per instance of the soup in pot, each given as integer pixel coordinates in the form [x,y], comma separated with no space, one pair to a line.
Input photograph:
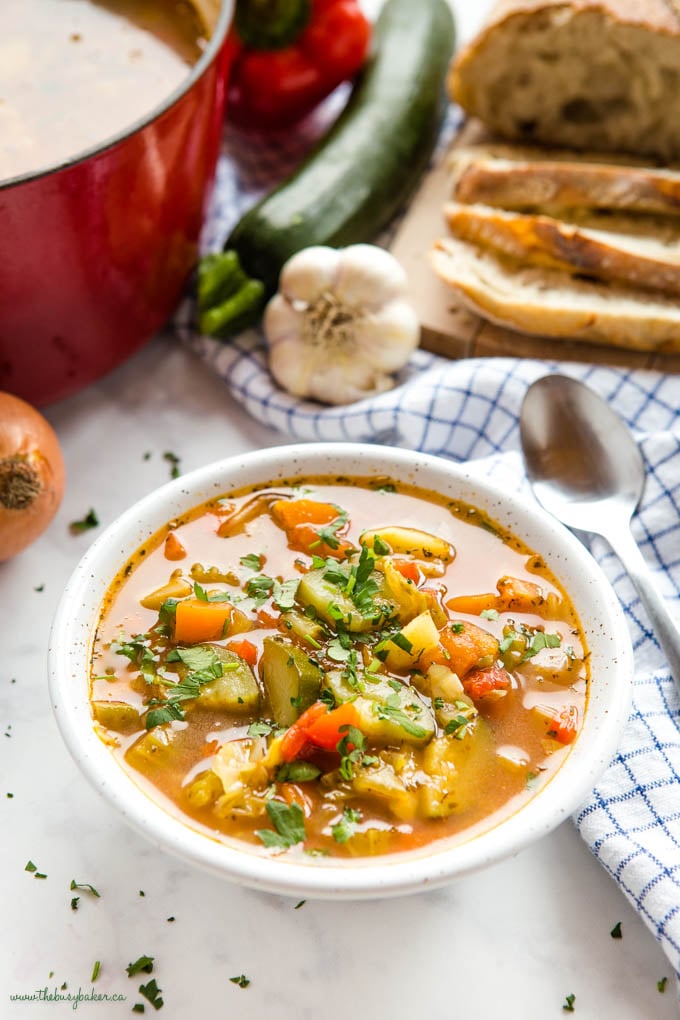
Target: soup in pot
[338,668]
[74,73]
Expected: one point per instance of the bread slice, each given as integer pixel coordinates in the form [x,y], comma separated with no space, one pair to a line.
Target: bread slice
[613,253]
[549,180]
[586,74]
[550,303]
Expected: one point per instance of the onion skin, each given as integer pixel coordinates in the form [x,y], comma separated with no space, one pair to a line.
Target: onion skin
[31,475]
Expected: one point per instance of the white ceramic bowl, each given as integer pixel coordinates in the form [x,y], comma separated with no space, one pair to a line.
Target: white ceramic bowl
[601,617]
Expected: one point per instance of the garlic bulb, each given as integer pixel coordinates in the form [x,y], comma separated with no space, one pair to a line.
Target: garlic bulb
[340,324]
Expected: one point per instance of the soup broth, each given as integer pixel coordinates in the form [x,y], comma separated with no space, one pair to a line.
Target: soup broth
[338,668]
[73,73]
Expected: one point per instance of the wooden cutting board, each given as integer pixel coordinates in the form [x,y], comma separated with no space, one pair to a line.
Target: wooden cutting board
[452,331]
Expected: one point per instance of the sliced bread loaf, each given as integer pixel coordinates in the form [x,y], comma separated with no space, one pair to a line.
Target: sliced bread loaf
[587,74]
[620,251]
[520,177]
[551,303]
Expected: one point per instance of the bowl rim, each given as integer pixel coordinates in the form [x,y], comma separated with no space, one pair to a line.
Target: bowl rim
[75,622]
[209,55]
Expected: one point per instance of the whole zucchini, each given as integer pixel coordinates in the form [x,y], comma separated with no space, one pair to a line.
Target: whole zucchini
[356,179]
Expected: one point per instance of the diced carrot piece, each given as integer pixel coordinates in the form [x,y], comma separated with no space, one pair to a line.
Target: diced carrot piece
[173,549]
[485,683]
[408,569]
[245,649]
[520,596]
[302,520]
[267,619]
[289,513]
[564,725]
[466,645]
[473,605]
[196,620]
[327,730]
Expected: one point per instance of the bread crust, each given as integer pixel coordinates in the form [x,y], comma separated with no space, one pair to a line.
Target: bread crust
[550,303]
[543,241]
[510,178]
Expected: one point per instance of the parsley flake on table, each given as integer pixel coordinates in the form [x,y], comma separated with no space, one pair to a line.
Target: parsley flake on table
[173,461]
[241,980]
[152,993]
[144,964]
[616,932]
[661,985]
[33,869]
[289,823]
[568,1005]
[299,904]
[95,970]
[90,520]
[85,887]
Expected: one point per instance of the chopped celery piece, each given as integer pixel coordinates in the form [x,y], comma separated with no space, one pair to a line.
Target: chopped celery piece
[117,715]
[291,679]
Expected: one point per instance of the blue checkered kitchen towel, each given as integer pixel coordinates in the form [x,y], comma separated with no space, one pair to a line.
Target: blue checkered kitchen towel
[468,411]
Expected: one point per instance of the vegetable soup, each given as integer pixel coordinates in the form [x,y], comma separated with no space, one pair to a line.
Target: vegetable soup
[336,668]
[73,73]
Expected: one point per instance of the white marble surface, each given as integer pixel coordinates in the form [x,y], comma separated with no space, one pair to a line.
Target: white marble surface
[511,942]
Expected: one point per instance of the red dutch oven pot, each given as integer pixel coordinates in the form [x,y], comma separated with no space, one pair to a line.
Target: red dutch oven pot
[95,253]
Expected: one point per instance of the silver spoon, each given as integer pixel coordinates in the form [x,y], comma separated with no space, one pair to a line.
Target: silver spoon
[586,470]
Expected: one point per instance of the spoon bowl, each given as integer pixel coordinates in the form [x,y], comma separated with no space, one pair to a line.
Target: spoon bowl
[587,470]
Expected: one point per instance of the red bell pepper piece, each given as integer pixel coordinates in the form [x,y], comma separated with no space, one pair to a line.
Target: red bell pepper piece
[293,54]
[318,729]
[482,683]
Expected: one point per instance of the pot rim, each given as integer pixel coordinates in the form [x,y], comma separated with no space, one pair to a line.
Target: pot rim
[217,40]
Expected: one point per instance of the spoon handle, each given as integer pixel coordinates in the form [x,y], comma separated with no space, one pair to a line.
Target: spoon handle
[663,624]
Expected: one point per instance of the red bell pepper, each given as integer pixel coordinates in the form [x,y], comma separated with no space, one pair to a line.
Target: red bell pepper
[293,53]
[318,728]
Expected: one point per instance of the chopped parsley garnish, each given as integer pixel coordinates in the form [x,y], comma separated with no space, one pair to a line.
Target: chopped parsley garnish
[457,628]
[346,827]
[90,520]
[144,964]
[241,980]
[152,993]
[216,596]
[328,533]
[173,461]
[297,772]
[204,666]
[568,1006]
[85,887]
[75,900]
[538,642]
[380,547]
[289,823]
[391,709]
[457,726]
[301,903]
[252,561]
[33,869]
[352,750]
[260,729]
[661,984]
[616,932]
[95,970]
[138,1007]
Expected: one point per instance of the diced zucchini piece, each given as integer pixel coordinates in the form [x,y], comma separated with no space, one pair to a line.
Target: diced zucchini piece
[331,603]
[381,781]
[204,790]
[406,647]
[452,766]
[176,588]
[411,542]
[408,599]
[291,679]
[117,715]
[302,626]
[236,690]
[389,716]
[339,687]
[450,702]
[153,750]
[371,842]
